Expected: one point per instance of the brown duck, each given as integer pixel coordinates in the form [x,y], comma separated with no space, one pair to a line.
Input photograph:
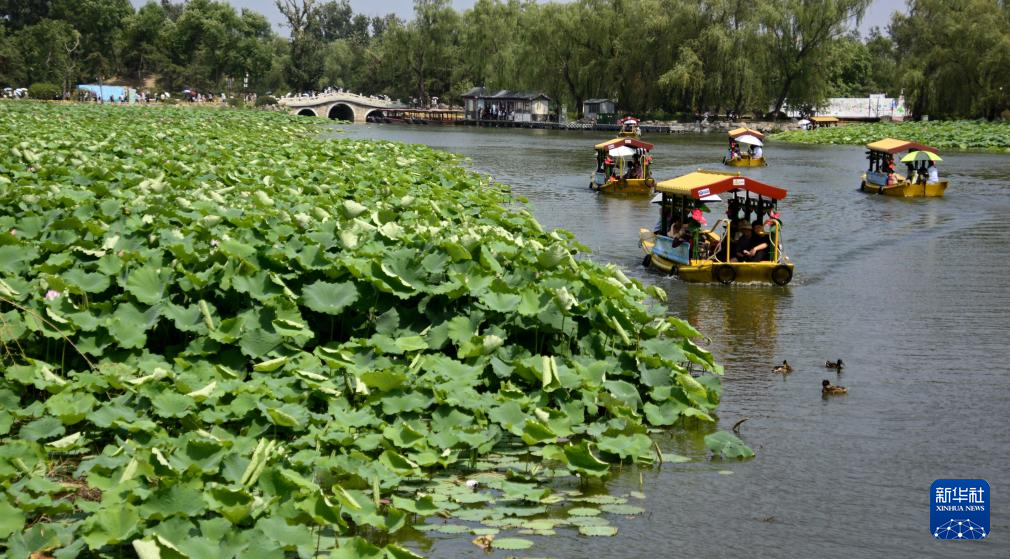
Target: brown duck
[828,389]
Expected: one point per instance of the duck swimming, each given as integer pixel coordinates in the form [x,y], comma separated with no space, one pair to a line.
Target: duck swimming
[785,367]
[834,364]
[829,389]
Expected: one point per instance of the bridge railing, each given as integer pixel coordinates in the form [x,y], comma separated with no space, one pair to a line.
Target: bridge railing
[344,95]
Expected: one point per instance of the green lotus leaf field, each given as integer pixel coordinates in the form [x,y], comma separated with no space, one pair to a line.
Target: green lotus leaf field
[222,336]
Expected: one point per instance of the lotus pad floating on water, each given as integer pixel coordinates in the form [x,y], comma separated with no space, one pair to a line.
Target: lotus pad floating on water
[598,530]
[511,544]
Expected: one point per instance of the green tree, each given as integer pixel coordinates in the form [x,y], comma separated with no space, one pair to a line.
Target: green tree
[139,48]
[22,13]
[799,35]
[49,52]
[12,66]
[960,57]
[422,53]
[100,24]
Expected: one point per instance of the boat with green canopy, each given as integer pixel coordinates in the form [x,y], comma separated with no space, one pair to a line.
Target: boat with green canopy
[921,178]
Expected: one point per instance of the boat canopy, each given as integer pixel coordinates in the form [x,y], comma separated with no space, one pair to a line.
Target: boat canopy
[893,146]
[749,140]
[824,119]
[701,183]
[630,142]
[737,132]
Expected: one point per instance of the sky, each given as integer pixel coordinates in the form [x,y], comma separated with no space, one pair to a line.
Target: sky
[878,14]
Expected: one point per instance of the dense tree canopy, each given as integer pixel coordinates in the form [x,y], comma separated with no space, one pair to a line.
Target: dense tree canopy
[949,58]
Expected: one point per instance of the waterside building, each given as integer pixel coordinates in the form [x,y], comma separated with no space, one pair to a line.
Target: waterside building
[516,106]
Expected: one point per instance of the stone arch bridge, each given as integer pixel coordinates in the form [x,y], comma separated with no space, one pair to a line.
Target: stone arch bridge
[341,106]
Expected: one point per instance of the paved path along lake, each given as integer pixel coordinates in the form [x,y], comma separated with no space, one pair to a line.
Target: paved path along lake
[914,296]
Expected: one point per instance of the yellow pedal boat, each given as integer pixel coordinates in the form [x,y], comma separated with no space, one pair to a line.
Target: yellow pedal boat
[679,245]
[629,128]
[623,166]
[920,180]
[753,157]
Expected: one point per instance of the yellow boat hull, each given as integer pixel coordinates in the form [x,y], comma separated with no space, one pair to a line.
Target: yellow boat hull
[746,161]
[625,186]
[711,271]
[905,189]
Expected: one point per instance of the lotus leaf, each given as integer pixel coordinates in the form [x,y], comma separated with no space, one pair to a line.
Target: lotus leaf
[622,509]
[598,530]
[511,544]
[728,445]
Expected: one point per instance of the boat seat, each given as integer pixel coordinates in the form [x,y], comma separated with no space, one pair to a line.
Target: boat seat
[879,179]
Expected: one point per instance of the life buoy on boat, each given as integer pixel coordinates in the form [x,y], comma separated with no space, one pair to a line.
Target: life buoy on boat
[725,274]
[782,275]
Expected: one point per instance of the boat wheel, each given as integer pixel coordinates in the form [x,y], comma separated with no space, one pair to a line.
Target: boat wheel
[782,275]
[647,260]
[725,274]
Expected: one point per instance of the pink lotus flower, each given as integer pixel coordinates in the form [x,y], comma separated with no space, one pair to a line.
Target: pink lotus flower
[52,294]
[774,215]
[698,216]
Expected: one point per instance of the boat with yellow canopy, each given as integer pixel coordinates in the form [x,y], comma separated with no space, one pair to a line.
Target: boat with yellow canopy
[734,249]
[623,166]
[921,178]
[753,157]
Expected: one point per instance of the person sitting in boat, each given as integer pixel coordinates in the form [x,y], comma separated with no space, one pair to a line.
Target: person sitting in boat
[758,152]
[751,247]
[743,243]
[891,178]
[762,248]
[679,232]
[932,173]
[913,175]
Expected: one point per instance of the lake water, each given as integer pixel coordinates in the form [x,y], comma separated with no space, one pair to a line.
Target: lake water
[914,296]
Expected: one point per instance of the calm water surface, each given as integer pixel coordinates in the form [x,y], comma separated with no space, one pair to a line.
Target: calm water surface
[914,295]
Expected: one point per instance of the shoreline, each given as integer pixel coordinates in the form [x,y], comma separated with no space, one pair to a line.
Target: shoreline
[951,135]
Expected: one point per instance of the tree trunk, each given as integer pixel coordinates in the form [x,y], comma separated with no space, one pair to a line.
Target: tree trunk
[781,99]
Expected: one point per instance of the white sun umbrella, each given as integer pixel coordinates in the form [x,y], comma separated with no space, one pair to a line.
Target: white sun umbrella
[622,151]
[749,139]
[803,122]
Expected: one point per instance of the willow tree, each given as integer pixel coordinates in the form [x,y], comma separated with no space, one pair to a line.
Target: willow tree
[799,34]
[955,57]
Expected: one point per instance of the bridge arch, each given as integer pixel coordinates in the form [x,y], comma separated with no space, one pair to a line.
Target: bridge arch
[306,112]
[342,111]
[375,115]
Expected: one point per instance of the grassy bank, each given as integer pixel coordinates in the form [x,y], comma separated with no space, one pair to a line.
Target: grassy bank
[223,337]
[963,135]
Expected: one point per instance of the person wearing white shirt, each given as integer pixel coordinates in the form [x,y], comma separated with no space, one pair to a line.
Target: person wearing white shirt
[933,175]
[758,152]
